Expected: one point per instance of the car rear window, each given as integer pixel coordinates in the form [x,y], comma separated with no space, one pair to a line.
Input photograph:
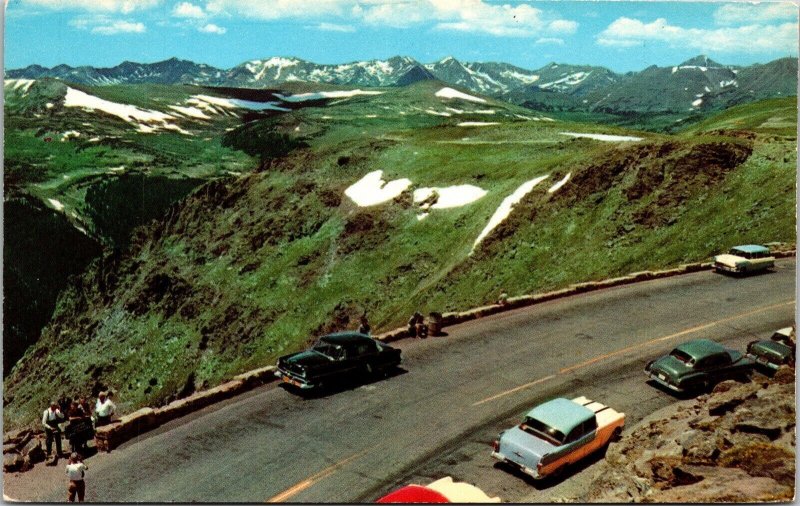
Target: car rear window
[536,428]
[683,357]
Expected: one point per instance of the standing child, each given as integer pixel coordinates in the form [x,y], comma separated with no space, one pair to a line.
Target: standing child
[76,472]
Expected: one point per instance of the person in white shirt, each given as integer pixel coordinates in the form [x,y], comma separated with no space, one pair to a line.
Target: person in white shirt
[103,409]
[51,417]
[76,472]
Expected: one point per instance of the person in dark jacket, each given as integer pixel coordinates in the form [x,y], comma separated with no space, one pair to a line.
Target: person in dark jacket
[364,327]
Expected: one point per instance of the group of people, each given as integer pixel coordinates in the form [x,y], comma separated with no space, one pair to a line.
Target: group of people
[80,429]
[417,326]
[82,421]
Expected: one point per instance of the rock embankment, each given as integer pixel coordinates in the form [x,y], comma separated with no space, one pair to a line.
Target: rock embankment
[736,444]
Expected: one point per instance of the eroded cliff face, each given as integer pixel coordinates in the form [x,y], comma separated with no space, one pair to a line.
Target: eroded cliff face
[736,444]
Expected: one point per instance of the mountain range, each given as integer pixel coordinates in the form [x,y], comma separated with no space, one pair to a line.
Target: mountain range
[696,84]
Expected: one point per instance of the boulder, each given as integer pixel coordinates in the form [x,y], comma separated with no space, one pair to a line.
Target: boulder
[723,402]
[720,484]
[27,465]
[12,462]
[762,459]
[10,448]
[700,447]
[33,450]
[784,375]
[17,436]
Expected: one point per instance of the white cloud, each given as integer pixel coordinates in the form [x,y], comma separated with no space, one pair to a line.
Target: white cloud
[279,9]
[124,6]
[120,26]
[188,10]
[103,24]
[754,38]
[550,40]
[212,28]
[742,13]
[502,20]
[333,27]
[479,16]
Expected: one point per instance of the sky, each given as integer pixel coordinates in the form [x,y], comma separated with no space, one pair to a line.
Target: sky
[622,36]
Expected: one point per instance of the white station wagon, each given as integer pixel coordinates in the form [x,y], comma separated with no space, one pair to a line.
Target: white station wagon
[745,259]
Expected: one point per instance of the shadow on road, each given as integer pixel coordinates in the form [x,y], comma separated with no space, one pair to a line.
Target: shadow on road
[560,476]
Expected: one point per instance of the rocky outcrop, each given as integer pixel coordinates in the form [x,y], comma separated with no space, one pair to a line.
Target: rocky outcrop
[736,444]
[21,450]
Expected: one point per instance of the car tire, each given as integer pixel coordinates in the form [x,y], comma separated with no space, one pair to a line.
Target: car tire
[616,435]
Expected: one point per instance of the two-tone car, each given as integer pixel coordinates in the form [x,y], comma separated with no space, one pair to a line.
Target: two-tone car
[774,352]
[745,259]
[697,366]
[556,434]
[336,358]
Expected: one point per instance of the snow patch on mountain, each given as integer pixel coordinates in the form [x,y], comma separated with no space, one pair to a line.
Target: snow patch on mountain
[566,82]
[260,67]
[16,84]
[451,93]
[507,206]
[524,78]
[437,113]
[603,137]
[146,120]
[477,123]
[206,101]
[560,183]
[449,197]
[302,97]
[57,205]
[372,190]
[190,111]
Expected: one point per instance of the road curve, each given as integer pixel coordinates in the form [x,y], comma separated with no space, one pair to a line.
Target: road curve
[439,417]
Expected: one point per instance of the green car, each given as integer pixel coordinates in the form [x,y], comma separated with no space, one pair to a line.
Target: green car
[774,352]
[697,366]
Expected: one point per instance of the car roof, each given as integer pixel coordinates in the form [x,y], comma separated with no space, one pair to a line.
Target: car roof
[700,348]
[752,248]
[345,338]
[561,414]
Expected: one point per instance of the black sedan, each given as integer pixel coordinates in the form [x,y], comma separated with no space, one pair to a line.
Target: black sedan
[335,358]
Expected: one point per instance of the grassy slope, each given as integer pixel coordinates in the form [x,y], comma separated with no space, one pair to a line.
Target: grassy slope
[253,267]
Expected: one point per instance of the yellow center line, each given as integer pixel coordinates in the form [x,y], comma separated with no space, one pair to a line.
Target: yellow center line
[308,482]
[521,387]
[630,348]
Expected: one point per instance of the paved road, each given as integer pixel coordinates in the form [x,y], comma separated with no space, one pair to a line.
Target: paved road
[440,416]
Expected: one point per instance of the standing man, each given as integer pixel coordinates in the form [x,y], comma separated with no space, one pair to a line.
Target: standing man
[364,328]
[50,419]
[76,472]
[103,409]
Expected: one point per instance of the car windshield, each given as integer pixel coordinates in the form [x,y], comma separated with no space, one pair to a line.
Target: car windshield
[328,349]
[683,357]
[542,430]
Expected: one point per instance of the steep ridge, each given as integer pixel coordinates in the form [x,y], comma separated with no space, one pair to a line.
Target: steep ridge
[248,267]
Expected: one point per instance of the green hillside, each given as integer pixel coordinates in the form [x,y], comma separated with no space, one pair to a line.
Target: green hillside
[250,267]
